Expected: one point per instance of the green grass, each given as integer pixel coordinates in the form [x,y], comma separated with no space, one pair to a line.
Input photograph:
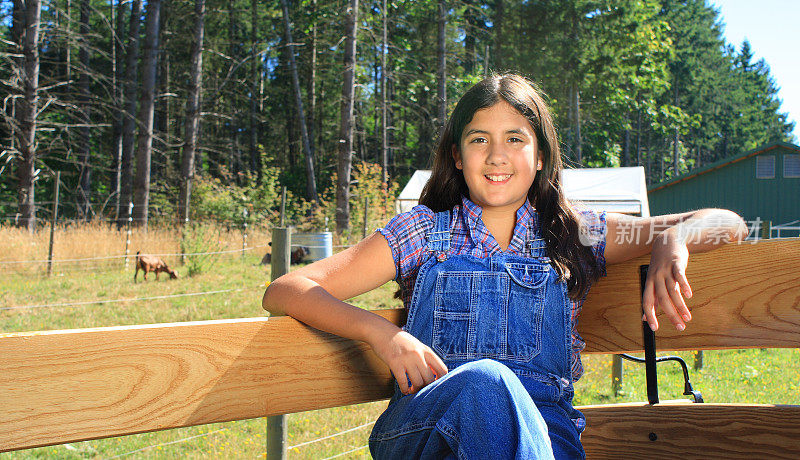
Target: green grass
[765,376]
[744,376]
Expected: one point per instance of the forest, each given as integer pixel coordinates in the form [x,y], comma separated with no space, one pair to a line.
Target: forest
[205,109]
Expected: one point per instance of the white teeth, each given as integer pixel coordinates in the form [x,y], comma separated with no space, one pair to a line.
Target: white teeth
[498,178]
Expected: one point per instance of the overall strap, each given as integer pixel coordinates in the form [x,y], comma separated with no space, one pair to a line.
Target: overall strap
[534,244]
[439,238]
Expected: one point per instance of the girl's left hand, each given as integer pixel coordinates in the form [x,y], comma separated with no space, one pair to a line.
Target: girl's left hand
[666,283]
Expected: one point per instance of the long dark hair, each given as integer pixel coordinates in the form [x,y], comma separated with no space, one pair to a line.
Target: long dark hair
[573,261]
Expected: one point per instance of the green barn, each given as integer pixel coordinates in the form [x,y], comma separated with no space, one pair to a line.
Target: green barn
[762,185]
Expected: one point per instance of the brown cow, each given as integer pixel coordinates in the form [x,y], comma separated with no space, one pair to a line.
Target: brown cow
[152,264]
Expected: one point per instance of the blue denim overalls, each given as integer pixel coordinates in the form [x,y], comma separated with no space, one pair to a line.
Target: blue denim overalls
[502,325]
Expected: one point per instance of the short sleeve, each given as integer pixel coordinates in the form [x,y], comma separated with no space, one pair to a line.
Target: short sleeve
[405,234]
[593,229]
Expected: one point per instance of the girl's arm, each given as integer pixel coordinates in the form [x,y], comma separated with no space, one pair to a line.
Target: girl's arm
[314,294]
[669,239]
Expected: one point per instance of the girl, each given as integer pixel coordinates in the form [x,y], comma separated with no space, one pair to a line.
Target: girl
[493,266]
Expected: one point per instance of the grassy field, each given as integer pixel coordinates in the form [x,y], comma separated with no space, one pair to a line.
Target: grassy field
[753,376]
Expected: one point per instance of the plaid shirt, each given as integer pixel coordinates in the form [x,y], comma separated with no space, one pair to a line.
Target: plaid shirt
[469,236]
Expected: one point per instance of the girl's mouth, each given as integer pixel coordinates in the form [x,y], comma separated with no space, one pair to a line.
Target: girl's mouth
[498,178]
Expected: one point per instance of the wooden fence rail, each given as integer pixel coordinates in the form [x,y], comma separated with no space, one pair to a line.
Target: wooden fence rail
[72,385]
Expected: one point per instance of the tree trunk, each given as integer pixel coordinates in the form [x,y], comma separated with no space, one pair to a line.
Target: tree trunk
[144,145]
[162,105]
[626,144]
[360,131]
[639,137]
[233,52]
[574,90]
[17,27]
[68,26]
[129,114]
[346,124]
[575,103]
[441,68]
[311,89]
[119,95]
[649,149]
[390,130]
[255,158]
[17,24]
[192,122]
[84,150]
[675,166]
[724,145]
[311,183]
[384,125]
[469,37]
[675,153]
[497,50]
[26,112]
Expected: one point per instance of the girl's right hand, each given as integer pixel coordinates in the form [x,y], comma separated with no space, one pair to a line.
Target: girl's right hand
[409,360]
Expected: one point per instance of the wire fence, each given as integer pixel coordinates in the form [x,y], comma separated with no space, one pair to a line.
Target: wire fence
[122,256]
[203,435]
[135,299]
[347,452]
[177,441]
[302,444]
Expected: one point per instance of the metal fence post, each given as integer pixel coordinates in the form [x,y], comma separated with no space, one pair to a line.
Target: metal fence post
[698,360]
[283,205]
[616,374]
[53,224]
[244,231]
[128,232]
[366,215]
[276,424]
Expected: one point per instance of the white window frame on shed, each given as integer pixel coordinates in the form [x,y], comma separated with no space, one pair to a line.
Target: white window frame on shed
[791,165]
[762,163]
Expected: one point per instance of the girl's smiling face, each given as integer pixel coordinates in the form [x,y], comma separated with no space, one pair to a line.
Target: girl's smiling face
[499,157]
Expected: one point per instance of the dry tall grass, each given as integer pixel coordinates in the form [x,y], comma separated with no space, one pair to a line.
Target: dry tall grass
[104,244]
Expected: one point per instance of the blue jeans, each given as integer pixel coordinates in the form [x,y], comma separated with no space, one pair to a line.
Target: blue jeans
[478,408]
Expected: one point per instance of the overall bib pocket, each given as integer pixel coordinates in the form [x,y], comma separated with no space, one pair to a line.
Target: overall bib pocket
[473,318]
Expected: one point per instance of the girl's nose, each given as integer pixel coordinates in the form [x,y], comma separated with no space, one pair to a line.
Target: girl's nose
[497,155]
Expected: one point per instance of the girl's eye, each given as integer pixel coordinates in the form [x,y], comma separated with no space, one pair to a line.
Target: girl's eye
[514,139]
[477,140]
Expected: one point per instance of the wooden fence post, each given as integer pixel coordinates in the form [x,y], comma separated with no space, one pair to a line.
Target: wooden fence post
[276,424]
[53,224]
[766,230]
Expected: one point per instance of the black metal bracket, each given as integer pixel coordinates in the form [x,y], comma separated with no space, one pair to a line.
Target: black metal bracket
[649,337]
[687,385]
[650,360]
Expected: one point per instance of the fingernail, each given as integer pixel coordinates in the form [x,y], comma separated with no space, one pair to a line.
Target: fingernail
[681,327]
[687,317]
[644,317]
[653,327]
